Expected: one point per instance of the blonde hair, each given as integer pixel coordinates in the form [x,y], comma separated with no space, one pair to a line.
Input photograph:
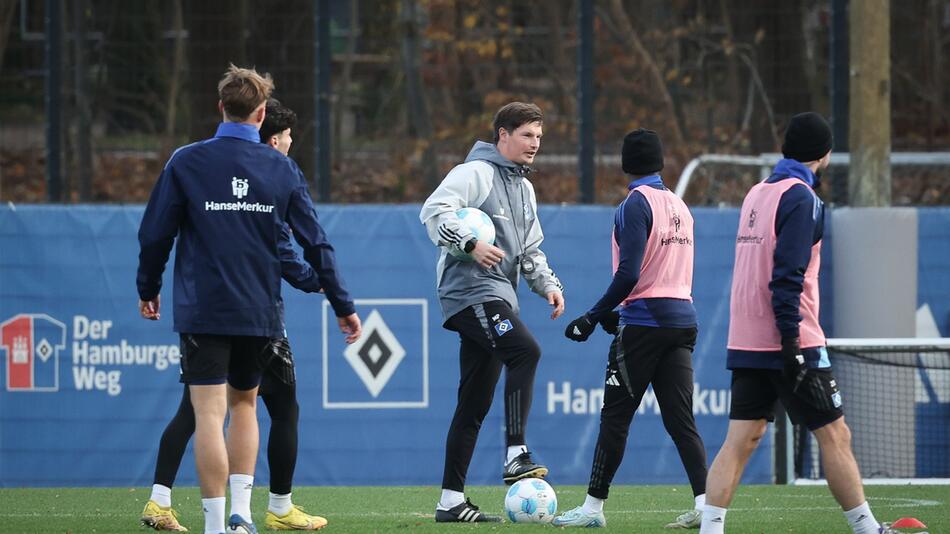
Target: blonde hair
[243,90]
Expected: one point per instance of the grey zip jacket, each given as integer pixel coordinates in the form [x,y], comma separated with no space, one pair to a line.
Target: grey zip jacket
[490,182]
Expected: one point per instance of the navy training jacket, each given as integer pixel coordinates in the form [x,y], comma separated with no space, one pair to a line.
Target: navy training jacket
[226,198]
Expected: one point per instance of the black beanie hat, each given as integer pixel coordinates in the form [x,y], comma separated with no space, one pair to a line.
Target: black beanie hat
[642,152]
[807,138]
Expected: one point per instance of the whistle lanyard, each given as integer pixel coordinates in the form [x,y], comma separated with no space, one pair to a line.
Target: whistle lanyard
[527,264]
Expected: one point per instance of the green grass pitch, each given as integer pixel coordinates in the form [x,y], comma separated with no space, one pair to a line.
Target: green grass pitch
[631,509]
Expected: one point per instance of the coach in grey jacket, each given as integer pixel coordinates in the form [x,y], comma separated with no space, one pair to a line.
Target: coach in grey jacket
[479,297]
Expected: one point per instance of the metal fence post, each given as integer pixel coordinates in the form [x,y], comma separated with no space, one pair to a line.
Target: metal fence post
[585,100]
[321,95]
[53,23]
[839,94]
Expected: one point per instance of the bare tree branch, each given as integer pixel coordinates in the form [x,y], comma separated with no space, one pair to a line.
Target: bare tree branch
[754,73]
[925,94]
[733,69]
[744,53]
[630,38]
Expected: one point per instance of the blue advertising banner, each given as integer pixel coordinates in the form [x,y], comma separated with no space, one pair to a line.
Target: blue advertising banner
[89,385]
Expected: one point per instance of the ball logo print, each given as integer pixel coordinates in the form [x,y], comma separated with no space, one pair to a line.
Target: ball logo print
[376,355]
[32,343]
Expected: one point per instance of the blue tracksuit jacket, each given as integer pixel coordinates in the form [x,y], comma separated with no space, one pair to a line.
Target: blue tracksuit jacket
[226,199]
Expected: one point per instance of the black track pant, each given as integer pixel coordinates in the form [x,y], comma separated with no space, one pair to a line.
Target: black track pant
[640,356]
[491,336]
[281,403]
[175,438]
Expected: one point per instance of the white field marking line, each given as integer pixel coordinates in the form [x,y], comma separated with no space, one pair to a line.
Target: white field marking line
[135,517]
[901,502]
[878,502]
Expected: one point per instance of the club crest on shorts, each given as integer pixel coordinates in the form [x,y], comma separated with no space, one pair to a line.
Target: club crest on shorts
[503,327]
[836,399]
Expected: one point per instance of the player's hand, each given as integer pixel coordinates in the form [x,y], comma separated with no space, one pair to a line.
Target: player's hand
[611,322]
[579,329]
[150,308]
[351,326]
[794,368]
[486,255]
[556,300]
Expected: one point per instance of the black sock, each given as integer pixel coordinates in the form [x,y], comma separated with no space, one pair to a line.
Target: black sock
[174,441]
[282,443]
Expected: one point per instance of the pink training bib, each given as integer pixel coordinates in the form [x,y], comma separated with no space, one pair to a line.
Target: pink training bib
[751,318]
[667,269]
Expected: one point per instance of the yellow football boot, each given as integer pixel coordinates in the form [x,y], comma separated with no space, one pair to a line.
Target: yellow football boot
[296,519]
[159,518]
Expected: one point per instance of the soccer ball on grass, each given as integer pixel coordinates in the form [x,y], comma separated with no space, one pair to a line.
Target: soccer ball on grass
[530,500]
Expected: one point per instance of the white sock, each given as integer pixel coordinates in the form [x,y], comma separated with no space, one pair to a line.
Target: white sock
[162,495]
[450,499]
[700,501]
[593,505]
[241,487]
[280,504]
[515,450]
[714,520]
[214,514]
[862,520]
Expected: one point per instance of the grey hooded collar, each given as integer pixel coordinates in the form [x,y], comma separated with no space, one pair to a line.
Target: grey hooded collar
[489,152]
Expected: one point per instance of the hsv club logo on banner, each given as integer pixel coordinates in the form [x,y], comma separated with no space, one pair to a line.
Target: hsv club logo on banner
[388,367]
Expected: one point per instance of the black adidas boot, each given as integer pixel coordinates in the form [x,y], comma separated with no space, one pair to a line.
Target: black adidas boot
[464,513]
[520,467]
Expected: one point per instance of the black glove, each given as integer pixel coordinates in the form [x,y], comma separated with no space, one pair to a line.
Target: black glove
[793,362]
[611,323]
[579,329]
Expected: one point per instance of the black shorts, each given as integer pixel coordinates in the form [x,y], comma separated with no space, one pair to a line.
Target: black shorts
[754,392]
[208,359]
[278,368]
